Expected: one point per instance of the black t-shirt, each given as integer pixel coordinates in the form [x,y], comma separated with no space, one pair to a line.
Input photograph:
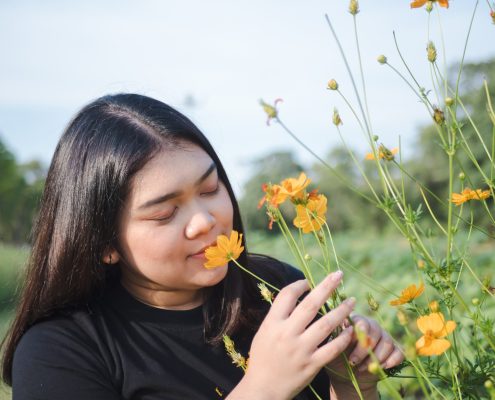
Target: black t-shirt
[119,348]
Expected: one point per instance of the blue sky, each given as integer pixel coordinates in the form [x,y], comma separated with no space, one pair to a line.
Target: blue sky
[226,55]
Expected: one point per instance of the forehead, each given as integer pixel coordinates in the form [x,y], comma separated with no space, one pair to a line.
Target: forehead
[169,171]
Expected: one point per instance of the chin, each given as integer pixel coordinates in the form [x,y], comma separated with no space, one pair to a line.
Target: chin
[215,275]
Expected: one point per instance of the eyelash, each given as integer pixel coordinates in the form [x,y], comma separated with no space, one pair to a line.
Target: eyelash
[168,218]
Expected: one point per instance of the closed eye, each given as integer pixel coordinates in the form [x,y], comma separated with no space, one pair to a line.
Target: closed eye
[167,217]
[213,192]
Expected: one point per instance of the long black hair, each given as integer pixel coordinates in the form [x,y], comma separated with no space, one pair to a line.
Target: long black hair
[102,148]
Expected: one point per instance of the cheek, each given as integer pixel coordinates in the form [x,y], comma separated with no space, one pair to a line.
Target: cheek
[225,210]
[144,246]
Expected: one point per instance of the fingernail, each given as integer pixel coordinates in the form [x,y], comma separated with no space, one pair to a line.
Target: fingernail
[336,276]
[351,301]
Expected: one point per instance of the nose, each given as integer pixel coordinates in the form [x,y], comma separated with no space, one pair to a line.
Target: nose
[202,221]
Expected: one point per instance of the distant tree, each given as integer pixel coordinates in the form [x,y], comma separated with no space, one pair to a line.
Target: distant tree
[273,168]
[20,190]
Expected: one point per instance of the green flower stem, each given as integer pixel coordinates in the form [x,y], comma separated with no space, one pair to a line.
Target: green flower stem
[358,165]
[254,275]
[323,162]
[352,111]
[293,246]
[361,72]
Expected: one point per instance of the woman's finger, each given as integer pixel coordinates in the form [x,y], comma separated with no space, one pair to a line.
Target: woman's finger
[394,359]
[328,352]
[287,298]
[319,330]
[384,348]
[373,333]
[306,311]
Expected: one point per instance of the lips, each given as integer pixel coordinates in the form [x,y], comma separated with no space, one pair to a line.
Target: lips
[202,251]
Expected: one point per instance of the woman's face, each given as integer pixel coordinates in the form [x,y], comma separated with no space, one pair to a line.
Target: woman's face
[176,208]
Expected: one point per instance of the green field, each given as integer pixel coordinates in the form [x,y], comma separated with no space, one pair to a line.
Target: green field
[379,264]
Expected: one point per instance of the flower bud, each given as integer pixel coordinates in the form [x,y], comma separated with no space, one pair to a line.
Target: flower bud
[421,264]
[375,138]
[429,6]
[402,317]
[332,84]
[449,101]
[431,52]
[353,7]
[462,176]
[475,301]
[308,257]
[374,368]
[492,14]
[382,59]
[433,305]
[336,118]
[488,384]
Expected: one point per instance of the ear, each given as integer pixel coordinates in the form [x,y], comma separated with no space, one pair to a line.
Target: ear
[111,256]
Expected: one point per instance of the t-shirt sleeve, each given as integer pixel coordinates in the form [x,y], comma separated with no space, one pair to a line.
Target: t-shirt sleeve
[54,360]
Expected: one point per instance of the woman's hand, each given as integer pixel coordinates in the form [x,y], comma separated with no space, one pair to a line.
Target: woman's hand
[388,354]
[285,355]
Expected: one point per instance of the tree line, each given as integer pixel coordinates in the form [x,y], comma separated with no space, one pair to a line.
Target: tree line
[21,184]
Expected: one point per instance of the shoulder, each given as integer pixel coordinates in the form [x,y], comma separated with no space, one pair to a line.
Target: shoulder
[58,356]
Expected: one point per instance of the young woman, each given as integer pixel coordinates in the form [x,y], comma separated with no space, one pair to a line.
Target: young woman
[117,303]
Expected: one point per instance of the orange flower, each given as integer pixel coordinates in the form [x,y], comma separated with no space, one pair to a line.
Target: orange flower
[408,294]
[274,195]
[469,194]
[294,187]
[311,216]
[421,3]
[434,329]
[224,251]
[383,153]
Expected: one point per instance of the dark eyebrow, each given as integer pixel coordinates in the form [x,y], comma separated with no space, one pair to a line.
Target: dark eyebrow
[172,195]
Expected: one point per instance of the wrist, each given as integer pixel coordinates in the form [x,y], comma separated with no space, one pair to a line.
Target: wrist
[246,389]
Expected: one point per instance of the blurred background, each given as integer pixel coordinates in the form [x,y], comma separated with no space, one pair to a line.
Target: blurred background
[214,61]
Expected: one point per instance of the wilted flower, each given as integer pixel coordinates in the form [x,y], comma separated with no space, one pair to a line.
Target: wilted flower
[431,52]
[438,116]
[408,294]
[225,250]
[265,292]
[270,110]
[383,153]
[237,358]
[434,329]
[336,118]
[372,303]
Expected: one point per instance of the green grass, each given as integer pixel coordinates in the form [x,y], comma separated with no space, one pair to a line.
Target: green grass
[12,261]
[379,264]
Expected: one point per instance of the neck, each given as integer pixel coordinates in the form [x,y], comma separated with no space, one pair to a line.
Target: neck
[163,298]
